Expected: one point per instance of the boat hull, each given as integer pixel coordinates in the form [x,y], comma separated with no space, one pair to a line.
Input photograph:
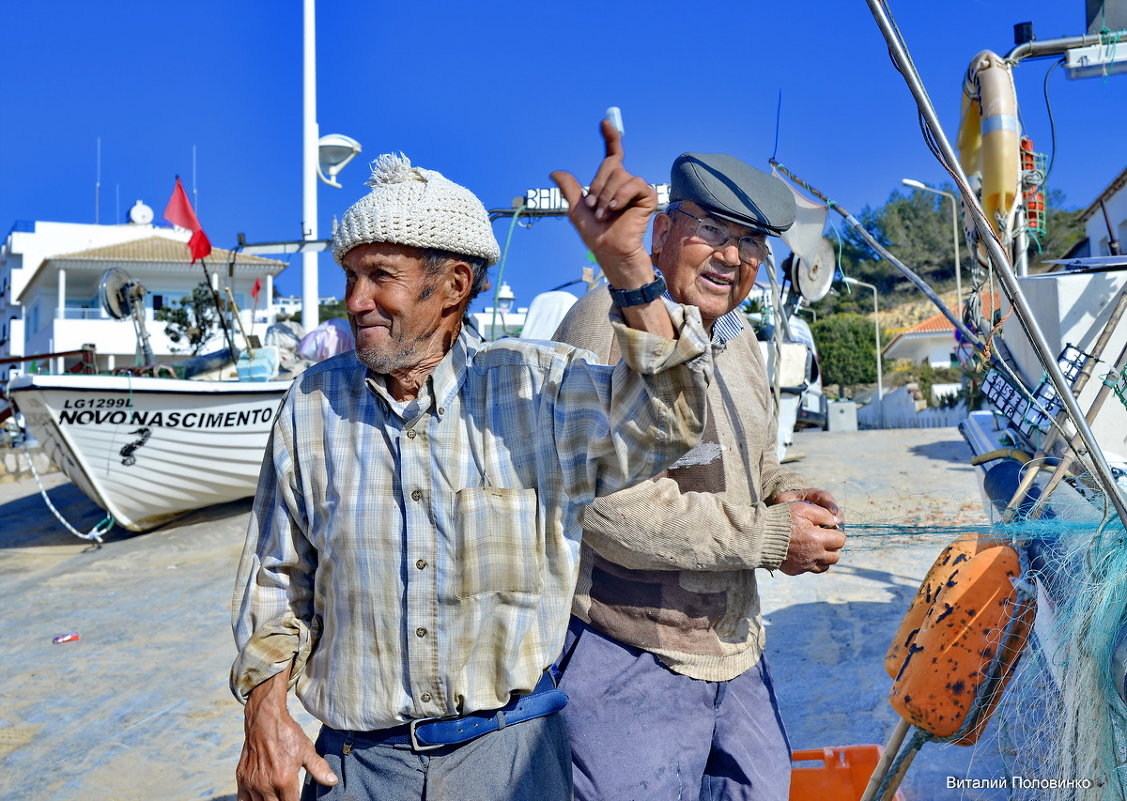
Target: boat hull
[148,450]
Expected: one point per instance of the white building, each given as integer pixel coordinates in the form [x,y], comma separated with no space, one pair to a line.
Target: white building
[931,341]
[50,275]
[1095,226]
[291,305]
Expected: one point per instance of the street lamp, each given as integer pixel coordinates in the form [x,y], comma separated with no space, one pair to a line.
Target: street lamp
[505,298]
[876,328]
[334,151]
[954,231]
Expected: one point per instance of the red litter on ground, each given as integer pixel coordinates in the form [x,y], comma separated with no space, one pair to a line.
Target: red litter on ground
[61,638]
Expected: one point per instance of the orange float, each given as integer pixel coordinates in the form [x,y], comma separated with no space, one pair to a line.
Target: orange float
[952,662]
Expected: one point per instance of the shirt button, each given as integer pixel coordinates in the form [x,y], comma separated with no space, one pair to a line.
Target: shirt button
[410,433]
[442,410]
[421,564]
[424,697]
[420,632]
[416,495]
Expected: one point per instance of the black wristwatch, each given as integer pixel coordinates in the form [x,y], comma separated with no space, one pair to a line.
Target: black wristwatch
[636,297]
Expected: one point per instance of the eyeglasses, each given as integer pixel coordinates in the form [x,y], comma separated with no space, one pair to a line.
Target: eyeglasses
[752,251]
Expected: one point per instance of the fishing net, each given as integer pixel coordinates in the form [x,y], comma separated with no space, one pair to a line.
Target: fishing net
[1061,726]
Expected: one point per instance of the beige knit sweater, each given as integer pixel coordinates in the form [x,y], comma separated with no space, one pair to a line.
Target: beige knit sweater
[668,566]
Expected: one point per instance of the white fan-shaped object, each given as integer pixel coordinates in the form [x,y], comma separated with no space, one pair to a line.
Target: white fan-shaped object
[114,293]
[813,279]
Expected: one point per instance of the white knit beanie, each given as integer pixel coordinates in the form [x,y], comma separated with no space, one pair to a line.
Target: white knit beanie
[416,207]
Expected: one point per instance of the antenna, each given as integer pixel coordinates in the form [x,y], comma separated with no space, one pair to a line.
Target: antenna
[195,192]
[97,180]
[117,202]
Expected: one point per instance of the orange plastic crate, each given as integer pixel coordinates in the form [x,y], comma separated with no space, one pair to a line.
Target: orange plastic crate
[841,774]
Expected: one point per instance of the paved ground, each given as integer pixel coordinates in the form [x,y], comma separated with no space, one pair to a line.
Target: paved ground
[138,708]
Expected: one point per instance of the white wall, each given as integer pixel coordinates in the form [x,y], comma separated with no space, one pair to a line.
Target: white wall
[937,349]
[1096,228]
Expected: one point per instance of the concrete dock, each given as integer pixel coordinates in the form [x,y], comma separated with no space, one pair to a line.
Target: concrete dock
[138,707]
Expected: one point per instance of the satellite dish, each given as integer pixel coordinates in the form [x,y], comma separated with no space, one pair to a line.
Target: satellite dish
[123,296]
[813,279]
[117,292]
[140,214]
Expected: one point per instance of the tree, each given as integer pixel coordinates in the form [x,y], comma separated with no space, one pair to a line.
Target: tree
[1063,229]
[193,319]
[846,349]
[916,228]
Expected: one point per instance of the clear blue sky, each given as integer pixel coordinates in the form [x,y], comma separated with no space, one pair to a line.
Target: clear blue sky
[496,95]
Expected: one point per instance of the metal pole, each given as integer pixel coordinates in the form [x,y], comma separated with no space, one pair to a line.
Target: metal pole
[1035,511]
[955,239]
[876,332]
[1000,260]
[974,339]
[309,289]
[1081,381]
[954,233]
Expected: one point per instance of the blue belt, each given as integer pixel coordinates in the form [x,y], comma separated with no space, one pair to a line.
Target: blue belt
[427,734]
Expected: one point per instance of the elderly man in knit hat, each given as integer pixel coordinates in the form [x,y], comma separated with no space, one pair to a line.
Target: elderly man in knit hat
[671,698]
[413,545]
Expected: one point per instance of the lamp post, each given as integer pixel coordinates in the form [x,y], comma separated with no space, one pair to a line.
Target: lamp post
[309,288]
[876,329]
[319,155]
[954,231]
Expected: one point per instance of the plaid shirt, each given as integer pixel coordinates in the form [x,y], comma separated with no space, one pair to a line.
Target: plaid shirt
[423,565]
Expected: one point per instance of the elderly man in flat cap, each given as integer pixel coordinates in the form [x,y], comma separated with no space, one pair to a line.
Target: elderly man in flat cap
[664,659]
[413,545]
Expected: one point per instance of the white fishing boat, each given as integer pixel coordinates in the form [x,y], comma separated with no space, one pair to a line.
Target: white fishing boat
[148,450]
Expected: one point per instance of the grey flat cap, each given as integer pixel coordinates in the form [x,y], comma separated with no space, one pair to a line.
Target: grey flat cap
[733,190]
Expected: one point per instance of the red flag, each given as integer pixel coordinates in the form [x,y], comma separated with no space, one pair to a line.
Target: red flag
[179,212]
[256,289]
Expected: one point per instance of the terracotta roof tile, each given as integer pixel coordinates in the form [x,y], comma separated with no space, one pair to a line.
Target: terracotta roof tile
[159,249]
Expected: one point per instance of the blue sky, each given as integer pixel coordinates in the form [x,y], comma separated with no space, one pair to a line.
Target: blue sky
[496,96]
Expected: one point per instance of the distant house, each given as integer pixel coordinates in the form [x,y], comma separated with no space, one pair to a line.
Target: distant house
[50,275]
[932,340]
[1095,226]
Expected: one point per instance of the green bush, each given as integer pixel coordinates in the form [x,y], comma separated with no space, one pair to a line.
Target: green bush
[846,349]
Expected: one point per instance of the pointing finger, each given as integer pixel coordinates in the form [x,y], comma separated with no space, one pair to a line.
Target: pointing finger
[612,138]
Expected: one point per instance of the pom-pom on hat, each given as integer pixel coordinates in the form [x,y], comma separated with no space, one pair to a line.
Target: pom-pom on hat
[419,208]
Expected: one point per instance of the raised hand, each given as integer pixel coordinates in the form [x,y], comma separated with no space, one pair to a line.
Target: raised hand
[613,216]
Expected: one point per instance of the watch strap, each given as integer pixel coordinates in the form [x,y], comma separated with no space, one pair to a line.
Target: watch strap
[636,297]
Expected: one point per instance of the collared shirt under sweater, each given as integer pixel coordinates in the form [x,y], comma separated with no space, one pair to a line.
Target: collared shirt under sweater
[668,566]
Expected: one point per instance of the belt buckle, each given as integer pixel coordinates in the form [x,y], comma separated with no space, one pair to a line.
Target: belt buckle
[415,744]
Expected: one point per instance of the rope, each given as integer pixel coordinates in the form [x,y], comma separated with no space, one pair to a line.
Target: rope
[95,534]
[1110,41]
[501,272]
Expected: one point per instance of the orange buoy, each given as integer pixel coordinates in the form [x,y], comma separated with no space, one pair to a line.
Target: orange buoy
[942,571]
[954,668]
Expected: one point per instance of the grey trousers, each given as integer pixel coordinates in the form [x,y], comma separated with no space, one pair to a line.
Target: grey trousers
[640,732]
[527,761]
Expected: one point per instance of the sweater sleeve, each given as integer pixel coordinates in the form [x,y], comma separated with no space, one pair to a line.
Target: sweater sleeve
[657,526]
